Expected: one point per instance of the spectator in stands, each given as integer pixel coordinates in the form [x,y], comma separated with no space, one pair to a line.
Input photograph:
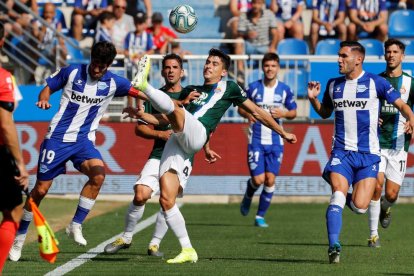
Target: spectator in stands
[162,35]
[5,7]
[21,16]
[85,15]
[368,16]
[105,29]
[289,17]
[139,42]
[48,41]
[401,4]
[136,6]
[328,20]
[258,29]
[237,7]
[124,24]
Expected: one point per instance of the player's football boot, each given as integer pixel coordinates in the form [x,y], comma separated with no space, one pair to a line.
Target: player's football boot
[385,217]
[16,251]
[334,253]
[75,232]
[245,205]
[153,250]
[186,255]
[140,80]
[116,245]
[260,222]
[374,241]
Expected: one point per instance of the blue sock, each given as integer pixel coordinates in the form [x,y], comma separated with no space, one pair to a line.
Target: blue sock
[264,203]
[23,226]
[25,222]
[251,189]
[84,206]
[333,223]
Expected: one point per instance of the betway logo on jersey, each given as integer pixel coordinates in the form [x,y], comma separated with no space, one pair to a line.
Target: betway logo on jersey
[360,104]
[86,99]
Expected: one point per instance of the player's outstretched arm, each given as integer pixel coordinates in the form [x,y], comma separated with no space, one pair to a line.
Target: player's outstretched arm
[406,112]
[43,99]
[145,131]
[266,119]
[314,88]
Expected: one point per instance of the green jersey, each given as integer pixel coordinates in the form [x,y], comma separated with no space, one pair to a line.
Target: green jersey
[214,101]
[159,144]
[392,128]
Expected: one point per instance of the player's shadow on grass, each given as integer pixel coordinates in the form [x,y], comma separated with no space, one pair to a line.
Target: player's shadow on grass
[309,244]
[269,260]
[391,273]
[215,224]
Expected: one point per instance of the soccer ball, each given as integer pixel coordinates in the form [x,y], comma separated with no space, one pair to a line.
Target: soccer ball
[183,19]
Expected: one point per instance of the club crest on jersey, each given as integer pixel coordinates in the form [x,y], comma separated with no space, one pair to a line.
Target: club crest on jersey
[217,90]
[403,90]
[277,98]
[102,85]
[337,89]
[361,88]
[78,82]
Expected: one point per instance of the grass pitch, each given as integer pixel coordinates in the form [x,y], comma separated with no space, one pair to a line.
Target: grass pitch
[229,244]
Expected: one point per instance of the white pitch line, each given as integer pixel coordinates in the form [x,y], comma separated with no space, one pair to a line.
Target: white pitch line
[92,253]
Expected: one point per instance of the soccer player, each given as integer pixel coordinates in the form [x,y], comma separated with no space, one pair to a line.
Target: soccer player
[192,127]
[355,157]
[11,185]
[394,142]
[265,148]
[87,92]
[147,184]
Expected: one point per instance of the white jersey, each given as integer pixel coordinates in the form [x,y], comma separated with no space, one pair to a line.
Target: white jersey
[83,101]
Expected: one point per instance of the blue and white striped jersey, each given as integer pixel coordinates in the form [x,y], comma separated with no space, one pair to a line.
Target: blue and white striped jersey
[83,101]
[279,96]
[356,104]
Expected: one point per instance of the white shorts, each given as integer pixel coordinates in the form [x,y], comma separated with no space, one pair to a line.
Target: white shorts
[393,164]
[150,176]
[181,146]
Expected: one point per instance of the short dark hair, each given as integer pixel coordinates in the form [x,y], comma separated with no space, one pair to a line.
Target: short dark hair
[223,57]
[270,56]
[173,56]
[103,51]
[393,41]
[1,30]
[354,45]
[106,15]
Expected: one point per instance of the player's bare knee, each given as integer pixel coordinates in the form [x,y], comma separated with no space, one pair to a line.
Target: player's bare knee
[166,203]
[97,180]
[392,196]
[140,199]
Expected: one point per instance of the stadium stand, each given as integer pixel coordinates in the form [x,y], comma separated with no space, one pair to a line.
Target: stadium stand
[327,47]
[373,47]
[401,24]
[409,47]
[75,54]
[292,46]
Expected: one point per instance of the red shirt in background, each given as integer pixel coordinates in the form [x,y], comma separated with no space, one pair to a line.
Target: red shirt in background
[6,89]
[159,39]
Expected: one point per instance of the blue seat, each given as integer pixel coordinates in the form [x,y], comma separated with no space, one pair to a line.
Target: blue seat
[60,17]
[409,47]
[328,47]
[75,54]
[373,47]
[292,46]
[297,80]
[401,24]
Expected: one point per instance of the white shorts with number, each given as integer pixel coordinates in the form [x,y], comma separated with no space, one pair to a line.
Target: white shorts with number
[150,176]
[181,146]
[393,164]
